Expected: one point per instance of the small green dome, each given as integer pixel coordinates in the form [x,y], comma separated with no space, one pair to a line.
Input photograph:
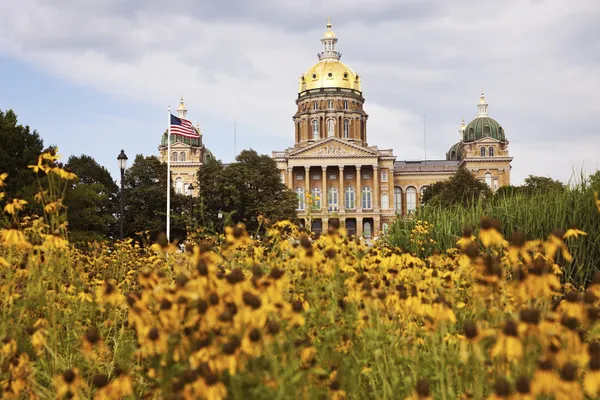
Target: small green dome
[208,156]
[483,126]
[454,154]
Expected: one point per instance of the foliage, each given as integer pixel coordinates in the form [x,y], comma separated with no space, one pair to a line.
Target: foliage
[541,184]
[145,201]
[462,188]
[19,147]
[535,215]
[91,200]
[250,191]
[293,317]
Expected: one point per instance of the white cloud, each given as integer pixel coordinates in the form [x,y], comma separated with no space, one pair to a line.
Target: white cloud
[536,59]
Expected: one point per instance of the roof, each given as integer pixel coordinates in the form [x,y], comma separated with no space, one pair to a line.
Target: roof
[454,153]
[426,166]
[483,126]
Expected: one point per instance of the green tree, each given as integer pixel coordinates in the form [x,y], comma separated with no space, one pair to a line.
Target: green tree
[19,147]
[540,185]
[91,200]
[146,200]
[246,189]
[462,188]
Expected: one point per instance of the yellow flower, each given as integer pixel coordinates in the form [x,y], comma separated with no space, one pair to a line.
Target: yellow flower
[2,179]
[13,237]
[14,206]
[573,232]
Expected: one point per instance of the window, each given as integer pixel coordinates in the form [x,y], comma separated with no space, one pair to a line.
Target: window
[491,152]
[346,128]
[349,176]
[317,226]
[411,199]
[366,175]
[385,202]
[300,194]
[182,156]
[367,229]
[345,105]
[332,199]
[488,179]
[332,176]
[282,177]
[350,198]
[482,152]
[316,198]
[179,185]
[366,198]
[330,104]
[398,200]
[330,127]
[315,106]
[299,177]
[174,156]
[384,227]
[315,125]
[383,176]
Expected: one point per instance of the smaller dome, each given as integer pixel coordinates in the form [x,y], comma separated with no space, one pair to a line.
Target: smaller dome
[481,127]
[454,153]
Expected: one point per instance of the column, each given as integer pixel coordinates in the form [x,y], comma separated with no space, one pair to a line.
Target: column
[307,180]
[291,178]
[324,225]
[358,192]
[359,226]
[341,191]
[324,189]
[376,226]
[376,195]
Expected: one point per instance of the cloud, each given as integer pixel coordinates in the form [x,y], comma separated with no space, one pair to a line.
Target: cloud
[537,61]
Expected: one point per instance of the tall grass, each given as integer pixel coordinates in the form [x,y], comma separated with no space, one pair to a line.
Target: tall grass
[534,215]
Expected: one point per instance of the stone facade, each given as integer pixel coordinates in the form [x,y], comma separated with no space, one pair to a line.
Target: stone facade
[338,176]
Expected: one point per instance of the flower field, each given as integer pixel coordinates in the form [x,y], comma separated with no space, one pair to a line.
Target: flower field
[290,316]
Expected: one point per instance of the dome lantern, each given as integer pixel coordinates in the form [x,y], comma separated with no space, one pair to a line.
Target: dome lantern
[483,125]
[329,41]
[482,106]
[181,110]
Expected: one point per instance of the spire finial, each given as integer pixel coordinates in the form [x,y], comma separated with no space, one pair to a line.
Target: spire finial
[329,22]
[329,41]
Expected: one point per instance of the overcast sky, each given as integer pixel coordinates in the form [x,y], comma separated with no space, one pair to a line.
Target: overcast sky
[96,76]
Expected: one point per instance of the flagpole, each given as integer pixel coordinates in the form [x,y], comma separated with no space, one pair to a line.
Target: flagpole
[169,177]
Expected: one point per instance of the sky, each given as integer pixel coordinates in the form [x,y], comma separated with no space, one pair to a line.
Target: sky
[94,77]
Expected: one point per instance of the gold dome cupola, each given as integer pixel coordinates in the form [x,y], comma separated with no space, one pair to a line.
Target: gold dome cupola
[329,41]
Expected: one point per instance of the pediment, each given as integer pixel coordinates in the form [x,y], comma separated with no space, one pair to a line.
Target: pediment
[332,147]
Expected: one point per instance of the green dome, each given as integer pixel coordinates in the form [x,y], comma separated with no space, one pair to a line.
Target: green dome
[454,154]
[208,155]
[481,127]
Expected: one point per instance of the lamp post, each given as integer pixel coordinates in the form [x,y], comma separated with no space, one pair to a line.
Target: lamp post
[220,216]
[190,192]
[122,159]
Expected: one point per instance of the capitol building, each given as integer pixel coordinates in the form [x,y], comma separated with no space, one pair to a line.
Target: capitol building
[338,176]
[332,168]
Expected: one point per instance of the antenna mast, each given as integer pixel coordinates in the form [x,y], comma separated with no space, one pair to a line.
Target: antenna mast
[234,138]
[425,134]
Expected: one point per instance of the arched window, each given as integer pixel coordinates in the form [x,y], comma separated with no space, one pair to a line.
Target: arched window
[298,133]
[315,126]
[182,156]
[330,104]
[316,198]
[411,199]
[350,198]
[471,134]
[332,199]
[317,226]
[398,200]
[366,198]
[300,194]
[482,152]
[346,128]
[385,227]
[345,105]
[367,229]
[491,152]
[315,105]
[174,156]
[486,130]
[330,127]
[488,179]
[385,202]
[179,185]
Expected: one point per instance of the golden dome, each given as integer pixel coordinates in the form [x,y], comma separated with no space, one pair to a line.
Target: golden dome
[329,74]
[329,34]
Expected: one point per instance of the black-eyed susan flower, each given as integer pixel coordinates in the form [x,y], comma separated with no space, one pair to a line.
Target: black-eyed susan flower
[508,344]
[69,384]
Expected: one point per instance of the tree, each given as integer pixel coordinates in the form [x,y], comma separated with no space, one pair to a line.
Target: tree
[249,188]
[146,200]
[91,200]
[540,184]
[462,188]
[19,147]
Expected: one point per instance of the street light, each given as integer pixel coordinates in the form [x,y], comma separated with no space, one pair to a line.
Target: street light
[220,216]
[190,192]
[122,159]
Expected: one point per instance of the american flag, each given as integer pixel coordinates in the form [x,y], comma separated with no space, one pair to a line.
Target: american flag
[182,127]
